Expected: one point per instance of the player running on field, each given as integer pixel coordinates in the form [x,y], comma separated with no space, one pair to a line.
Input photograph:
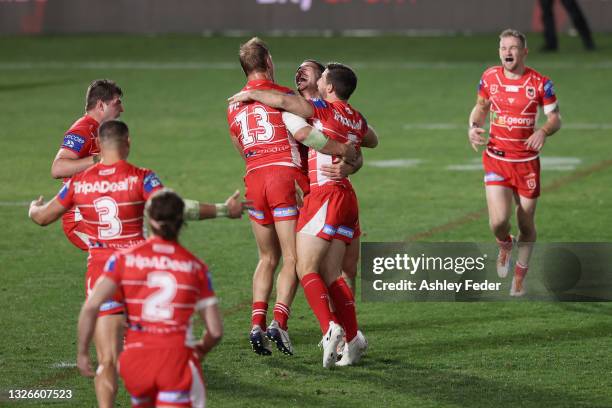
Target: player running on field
[329,217]
[512,94]
[79,149]
[111,196]
[273,169]
[162,285]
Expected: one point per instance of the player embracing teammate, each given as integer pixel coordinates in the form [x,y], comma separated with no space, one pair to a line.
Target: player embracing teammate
[328,220]
[512,94]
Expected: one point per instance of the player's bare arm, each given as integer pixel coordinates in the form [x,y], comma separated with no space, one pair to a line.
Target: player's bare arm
[478,116]
[342,169]
[311,137]
[291,103]
[553,124]
[237,146]
[233,207]
[370,140]
[67,163]
[214,330]
[44,214]
[103,290]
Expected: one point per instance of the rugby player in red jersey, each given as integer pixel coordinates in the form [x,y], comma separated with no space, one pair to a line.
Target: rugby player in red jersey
[111,196]
[79,149]
[273,170]
[162,284]
[329,217]
[512,94]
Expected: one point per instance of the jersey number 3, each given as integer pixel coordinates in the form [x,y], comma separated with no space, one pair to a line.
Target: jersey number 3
[263,131]
[110,224]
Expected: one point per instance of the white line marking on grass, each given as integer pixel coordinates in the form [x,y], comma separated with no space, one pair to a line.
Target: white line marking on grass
[461,126]
[63,364]
[394,163]
[14,203]
[227,65]
[551,163]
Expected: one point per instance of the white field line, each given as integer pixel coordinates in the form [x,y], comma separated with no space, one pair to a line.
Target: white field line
[394,163]
[551,163]
[461,126]
[229,65]
[63,364]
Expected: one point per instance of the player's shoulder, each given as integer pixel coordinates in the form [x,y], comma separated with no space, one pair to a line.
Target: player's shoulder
[283,89]
[536,75]
[492,71]
[319,103]
[84,126]
[187,254]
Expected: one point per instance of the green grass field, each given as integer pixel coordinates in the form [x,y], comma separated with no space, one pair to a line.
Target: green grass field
[417,92]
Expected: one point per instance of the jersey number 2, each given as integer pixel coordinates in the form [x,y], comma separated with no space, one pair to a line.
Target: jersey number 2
[263,130]
[158,305]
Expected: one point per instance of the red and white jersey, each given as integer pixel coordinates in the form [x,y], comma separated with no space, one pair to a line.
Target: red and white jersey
[514,109]
[261,131]
[162,284]
[82,138]
[338,121]
[111,200]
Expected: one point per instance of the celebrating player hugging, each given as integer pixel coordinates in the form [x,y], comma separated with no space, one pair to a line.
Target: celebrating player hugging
[328,220]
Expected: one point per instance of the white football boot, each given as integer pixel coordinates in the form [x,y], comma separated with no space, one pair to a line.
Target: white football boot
[330,344]
[353,350]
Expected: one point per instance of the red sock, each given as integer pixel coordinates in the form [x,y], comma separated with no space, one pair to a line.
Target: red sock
[520,270]
[281,314]
[317,297]
[258,314]
[506,243]
[344,303]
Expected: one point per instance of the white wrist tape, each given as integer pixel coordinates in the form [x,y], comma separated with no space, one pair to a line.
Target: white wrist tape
[192,210]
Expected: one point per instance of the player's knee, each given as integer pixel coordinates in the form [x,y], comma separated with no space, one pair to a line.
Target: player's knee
[498,225]
[269,260]
[349,271]
[107,367]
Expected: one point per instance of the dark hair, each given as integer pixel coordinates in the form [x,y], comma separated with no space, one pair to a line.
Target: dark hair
[254,56]
[510,32]
[101,89]
[113,130]
[320,66]
[165,211]
[342,78]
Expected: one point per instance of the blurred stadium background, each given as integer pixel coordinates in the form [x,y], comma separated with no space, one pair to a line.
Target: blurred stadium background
[418,64]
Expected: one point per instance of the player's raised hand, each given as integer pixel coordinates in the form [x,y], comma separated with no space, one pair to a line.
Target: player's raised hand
[476,138]
[235,206]
[36,203]
[84,365]
[337,171]
[536,140]
[243,96]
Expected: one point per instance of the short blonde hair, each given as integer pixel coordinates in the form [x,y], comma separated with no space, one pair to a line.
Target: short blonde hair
[510,32]
[254,56]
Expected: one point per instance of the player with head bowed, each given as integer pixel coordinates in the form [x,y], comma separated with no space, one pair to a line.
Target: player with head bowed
[328,220]
[80,150]
[512,94]
[274,173]
[162,285]
[111,197]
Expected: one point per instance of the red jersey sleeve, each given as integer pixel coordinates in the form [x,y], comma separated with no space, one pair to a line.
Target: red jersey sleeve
[483,88]
[77,142]
[66,195]
[150,184]
[547,96]
[113,269]
[321,109]
[207,295]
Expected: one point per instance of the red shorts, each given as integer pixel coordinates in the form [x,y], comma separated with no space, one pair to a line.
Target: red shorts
[171,377]
[95,266]
[522,177]
[272,190]
[330,212]
[74,229]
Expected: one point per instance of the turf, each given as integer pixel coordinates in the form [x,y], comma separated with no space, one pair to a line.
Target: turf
[509,354]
